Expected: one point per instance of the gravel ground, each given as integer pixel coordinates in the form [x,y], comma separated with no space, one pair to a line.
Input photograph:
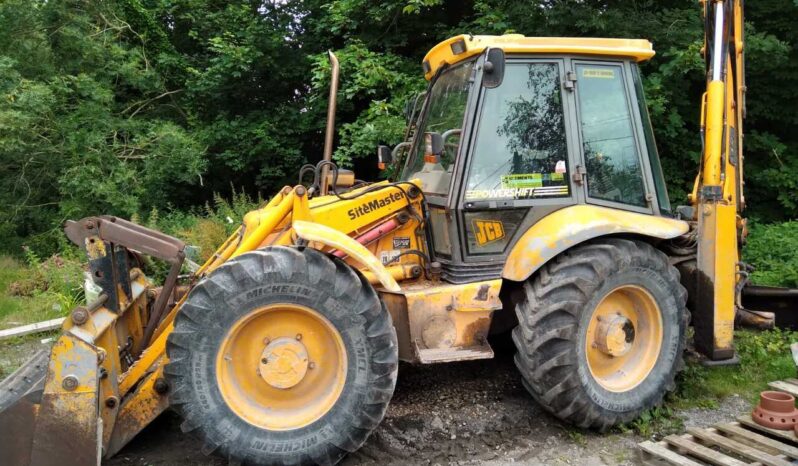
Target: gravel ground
[470,413]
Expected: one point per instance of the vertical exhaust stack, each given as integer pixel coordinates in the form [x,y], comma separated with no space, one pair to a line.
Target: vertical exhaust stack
[330,132]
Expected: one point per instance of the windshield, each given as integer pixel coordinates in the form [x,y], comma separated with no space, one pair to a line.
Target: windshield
[444,114]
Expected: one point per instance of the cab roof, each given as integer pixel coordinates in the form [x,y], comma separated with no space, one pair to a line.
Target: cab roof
[463,46]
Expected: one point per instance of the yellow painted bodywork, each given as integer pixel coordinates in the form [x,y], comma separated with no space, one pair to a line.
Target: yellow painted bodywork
[113,399]
[304,374]
[121,397]
[438,316]
[334,239]
[617,364]
[138,410]
[717,196]
[572,225]
[442,54]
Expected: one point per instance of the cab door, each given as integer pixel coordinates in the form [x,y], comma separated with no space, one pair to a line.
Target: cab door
[612,170]
[520,159]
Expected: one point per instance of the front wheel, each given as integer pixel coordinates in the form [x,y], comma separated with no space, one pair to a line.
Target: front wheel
[282,356]
[601,332]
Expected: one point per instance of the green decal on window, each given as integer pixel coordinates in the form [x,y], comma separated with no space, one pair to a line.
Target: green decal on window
[524,180]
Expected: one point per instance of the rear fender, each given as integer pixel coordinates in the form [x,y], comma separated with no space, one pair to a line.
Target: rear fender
[570,226]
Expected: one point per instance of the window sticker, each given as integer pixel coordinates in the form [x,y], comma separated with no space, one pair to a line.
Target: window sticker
[524,180]
[598,73]
[517,193]
[559,168]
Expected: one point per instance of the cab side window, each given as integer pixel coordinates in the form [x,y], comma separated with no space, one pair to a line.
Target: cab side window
[520,151]
[614,171]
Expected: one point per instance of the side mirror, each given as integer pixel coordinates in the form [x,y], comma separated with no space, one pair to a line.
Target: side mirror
[433,147]
[493,71]
[384,156]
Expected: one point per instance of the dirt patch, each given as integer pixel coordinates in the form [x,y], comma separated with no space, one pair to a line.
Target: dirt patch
[470,413]
[726,411]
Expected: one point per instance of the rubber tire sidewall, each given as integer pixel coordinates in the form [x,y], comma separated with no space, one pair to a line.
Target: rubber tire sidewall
[649,391]
[327,439]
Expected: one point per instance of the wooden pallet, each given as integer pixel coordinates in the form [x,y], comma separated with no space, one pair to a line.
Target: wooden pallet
[731,444]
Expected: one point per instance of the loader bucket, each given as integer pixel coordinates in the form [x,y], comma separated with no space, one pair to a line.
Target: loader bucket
[57,423]
[19,395]
[100,384]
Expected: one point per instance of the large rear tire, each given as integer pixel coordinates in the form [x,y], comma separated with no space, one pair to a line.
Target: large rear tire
[282,356]
[601,332]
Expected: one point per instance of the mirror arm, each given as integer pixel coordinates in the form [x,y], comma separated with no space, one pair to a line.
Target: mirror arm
[450,132]
[396,149]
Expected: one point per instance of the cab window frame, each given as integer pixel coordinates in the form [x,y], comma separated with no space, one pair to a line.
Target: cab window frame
[651,206]
[464,204]
[437,199]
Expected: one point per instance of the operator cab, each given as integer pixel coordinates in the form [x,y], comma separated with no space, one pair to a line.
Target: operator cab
[514,128]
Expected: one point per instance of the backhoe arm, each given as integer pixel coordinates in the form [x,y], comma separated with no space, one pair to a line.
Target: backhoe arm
[717,197]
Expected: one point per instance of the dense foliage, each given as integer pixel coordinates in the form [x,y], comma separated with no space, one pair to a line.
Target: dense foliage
[123,106]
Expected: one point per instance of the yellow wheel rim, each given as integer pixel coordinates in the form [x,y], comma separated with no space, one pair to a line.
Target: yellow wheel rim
[281,367]
[624,338]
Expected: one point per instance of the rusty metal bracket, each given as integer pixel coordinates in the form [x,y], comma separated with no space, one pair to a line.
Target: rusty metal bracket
[101,237]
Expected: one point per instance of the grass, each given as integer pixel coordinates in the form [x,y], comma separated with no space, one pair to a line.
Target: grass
[34,292]
[764,357]
[20,310]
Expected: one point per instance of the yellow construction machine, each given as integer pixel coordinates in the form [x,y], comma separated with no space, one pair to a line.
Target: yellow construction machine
[529,197]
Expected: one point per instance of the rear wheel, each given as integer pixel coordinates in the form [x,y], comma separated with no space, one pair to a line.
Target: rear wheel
[601,332]
[282,356]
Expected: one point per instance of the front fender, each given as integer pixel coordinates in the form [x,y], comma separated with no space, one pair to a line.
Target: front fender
[310,231]
[572,225]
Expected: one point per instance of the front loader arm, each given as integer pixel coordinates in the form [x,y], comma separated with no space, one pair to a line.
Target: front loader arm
[104,381]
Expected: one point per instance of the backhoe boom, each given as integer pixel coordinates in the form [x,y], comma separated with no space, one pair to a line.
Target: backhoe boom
[717,198]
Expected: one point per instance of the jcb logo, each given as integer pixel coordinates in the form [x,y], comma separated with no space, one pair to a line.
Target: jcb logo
[487,231]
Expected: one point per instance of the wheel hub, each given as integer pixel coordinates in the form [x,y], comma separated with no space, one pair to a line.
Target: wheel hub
[283,363]
[614,335]
[282,366]
[623,338]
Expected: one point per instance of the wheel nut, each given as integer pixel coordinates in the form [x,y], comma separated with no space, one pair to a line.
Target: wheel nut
[266,341]
[298,336]
[69,383]
[80,315]
[311,365]
[264,361]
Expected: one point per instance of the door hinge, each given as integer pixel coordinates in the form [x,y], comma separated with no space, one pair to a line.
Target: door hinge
[579,175]
[570,80]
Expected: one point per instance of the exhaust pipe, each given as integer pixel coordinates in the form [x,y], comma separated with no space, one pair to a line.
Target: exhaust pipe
[330,132]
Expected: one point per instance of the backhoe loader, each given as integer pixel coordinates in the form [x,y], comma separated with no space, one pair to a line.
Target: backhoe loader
[528,197]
